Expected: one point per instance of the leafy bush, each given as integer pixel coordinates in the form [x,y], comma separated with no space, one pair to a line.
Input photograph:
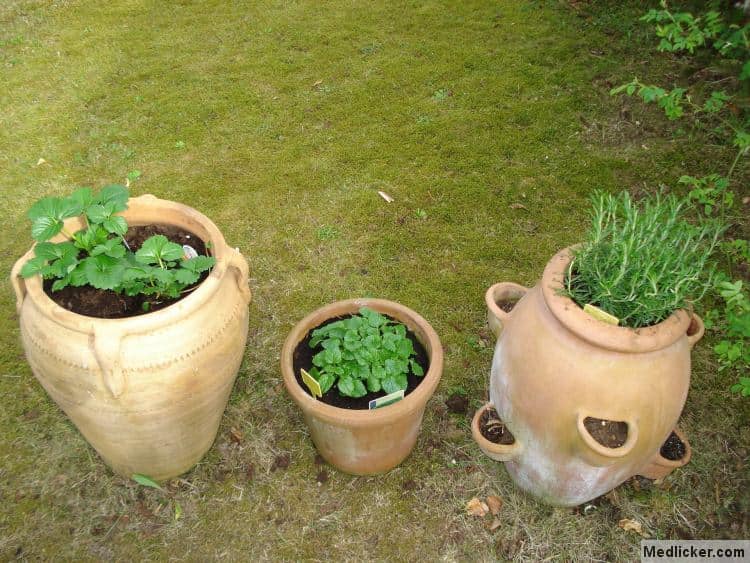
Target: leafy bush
[726,34]
[641,264]
[366,352]
[98,255]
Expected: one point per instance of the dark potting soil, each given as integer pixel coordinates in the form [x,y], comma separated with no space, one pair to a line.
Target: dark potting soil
[107,304]
[507,304]
[303,356]
[609,433]
[674,448]
[494,429]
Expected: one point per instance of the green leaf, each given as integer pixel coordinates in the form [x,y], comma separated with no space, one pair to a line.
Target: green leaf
[416,369]
[112,248]
[61,283]
[82,198]
[186,277]
[55,251]
[116,224]
[146,481]
[326,381]
[33,267]
[133,175]
[103,272]
[393,383]
[47,216]
[373,384]
[158,249]
[199,263]
[113,196]
[346,386]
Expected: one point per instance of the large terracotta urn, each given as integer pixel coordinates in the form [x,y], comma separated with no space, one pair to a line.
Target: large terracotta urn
[365,442]
[556,369]
[147,392]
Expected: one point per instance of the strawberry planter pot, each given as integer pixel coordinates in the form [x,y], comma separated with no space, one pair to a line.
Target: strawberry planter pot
[147,392]
[554,366]
[365,442]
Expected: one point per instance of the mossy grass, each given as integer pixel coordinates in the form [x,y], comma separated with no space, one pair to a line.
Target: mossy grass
[643,261]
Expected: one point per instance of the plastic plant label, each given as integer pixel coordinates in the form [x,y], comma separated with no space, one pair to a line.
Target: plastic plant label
[600,315]
[189,251]
[387,399]
[312,384]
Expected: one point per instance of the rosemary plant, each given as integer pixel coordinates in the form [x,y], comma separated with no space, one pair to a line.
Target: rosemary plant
[642,263]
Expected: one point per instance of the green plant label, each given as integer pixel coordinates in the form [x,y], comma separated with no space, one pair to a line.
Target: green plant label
[386,400]
[312,384]
[600,315]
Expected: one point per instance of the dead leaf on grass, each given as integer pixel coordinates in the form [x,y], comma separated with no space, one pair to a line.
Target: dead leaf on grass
[235,435]
[631,526]
[385,196]
[518,206]
[476,507]
[495,503]
[496,523]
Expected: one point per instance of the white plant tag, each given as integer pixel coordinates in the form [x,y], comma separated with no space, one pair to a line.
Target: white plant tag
[189,251]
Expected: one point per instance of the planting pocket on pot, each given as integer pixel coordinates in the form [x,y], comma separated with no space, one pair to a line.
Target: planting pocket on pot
[604,441]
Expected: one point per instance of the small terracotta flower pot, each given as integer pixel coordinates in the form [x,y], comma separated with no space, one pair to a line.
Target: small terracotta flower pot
[365,442]
[555,367]
[148,391]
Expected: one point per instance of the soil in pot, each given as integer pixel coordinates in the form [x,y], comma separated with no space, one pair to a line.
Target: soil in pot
[303,356]
[673,448]
[107,304]
[609,433]
[507,304]
[494,429]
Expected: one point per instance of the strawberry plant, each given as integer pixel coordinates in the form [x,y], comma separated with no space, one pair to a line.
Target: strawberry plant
[366,352]
[98,255]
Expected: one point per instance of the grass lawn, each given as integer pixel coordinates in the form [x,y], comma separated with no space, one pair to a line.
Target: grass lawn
[489,123]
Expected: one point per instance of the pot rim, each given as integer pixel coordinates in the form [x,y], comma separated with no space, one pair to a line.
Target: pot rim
[147,321]
[599,333]
[416,400]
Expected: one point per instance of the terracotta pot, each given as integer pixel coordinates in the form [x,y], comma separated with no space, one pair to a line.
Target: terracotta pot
[555,365]
[365,442]
[147,392]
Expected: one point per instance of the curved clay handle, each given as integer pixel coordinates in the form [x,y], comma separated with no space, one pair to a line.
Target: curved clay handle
[241,271]
[19,286]
[604,455]
[106,343]
[498,292]
[695,330]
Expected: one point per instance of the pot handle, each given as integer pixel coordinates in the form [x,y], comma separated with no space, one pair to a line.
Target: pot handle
[106,343]
[695,330]
[599,454]
[238,264]
[496,317]
[19,285]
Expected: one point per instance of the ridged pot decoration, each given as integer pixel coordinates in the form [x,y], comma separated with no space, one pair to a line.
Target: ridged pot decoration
[365,442]
[555,366]
[148,391]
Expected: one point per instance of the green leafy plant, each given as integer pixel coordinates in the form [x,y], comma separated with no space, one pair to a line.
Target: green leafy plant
[98,254]
[683,32]
[366,352]
[641,264]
